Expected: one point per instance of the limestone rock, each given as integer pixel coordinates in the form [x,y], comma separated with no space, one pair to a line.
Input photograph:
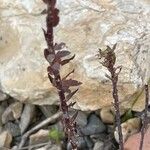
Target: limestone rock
[84,26]
[40,137]
[6,139]
[129,128]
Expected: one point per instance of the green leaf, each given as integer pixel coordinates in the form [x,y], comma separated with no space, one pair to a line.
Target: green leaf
[127,115]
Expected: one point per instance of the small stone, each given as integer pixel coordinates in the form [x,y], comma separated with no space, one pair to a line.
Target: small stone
[94,126]
[3,96]
[16,109]
[48,110]
[109,145]
[13,128]
[50,147]
[2,109]
[26,117]
[129,128]
[89,142]
[106,115]
[133,142]
[99,145]
[13,112]
[40,137]
[5,139]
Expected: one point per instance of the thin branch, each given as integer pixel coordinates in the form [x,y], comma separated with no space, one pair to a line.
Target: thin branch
[39,126]
[145,120]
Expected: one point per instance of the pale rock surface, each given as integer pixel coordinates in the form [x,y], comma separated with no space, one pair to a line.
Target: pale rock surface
[85,26]
[6,139]
[133,142]
[40,137]
[27,117]
[106,115]
[13,112]
[129,128]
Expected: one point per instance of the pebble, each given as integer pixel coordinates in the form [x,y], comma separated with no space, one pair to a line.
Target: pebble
[27,117]
[5,139]
[39,137]
[12,112]
[99,145]
[94,126]
[106,115]
[129,128]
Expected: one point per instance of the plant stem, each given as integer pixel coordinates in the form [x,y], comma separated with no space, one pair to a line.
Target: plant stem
[116,106]
[143,129]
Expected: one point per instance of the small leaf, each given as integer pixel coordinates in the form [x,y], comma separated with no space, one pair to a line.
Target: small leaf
[59,46]
[108,76]
[46,53]
[50,70]
[56,135]
[56,66]
[118,70]
[52,80]
[114,47]
[50,58]
[69,96]
[67,60]
[127,115]
[62,54]
[55,20]
[71,82]
[71,104]
[74,117]
[68,74]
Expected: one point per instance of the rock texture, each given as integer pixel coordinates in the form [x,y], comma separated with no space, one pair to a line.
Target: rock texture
[6,139]
[129,128]
[133,143]
[85,26]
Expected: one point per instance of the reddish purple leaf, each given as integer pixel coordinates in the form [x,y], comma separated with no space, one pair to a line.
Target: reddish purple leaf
[68,75]
[70,82]
[50,70]
[71,104]
[50,58]
[55,20]
[62,54]
[46,53]
[52,80]
[69,96]
[67,60]
[56,66]
[59,46]
[74,117]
